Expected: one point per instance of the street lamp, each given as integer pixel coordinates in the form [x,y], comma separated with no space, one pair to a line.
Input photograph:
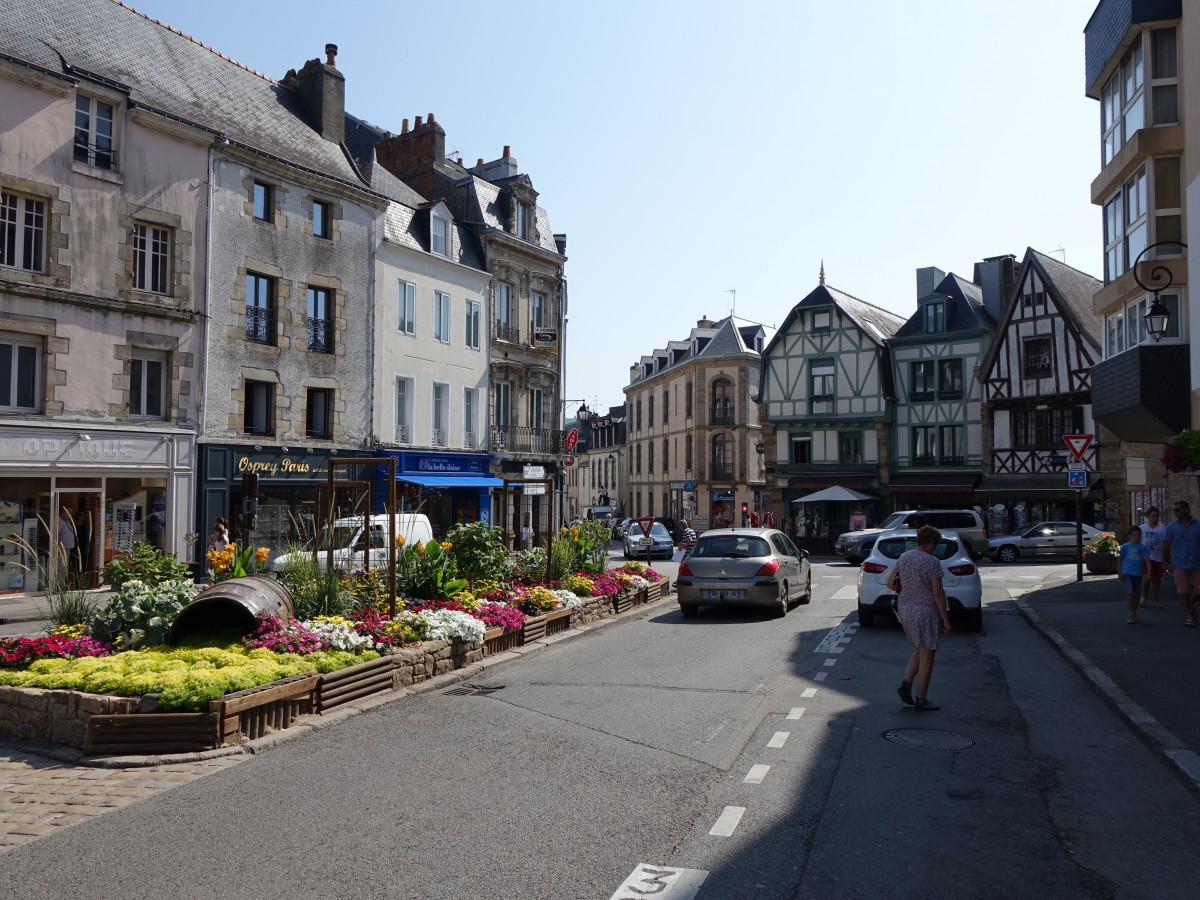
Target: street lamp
[1158,317]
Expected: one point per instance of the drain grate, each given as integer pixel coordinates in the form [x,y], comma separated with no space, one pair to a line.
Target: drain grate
[473,690]
[929,739]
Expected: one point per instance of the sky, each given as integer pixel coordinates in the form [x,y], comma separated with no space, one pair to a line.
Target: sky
[698,153]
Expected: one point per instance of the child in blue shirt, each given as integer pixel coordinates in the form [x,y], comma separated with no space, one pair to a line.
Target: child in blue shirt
[1133,563]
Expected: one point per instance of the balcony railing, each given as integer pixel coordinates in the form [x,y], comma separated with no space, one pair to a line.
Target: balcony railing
[923,459]
[951,461]
[920,396]
[951,394]
[721,415]
[401,434]
[468,440]
[820,404]
[320,335]
[722,475]
[101,156]
[437,437]
[260,325]
[523,439]
[503,332]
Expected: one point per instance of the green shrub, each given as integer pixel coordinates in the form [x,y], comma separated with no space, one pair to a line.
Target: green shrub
[479,552]
[563,557]
[146,564]
[315,591]
[140,614]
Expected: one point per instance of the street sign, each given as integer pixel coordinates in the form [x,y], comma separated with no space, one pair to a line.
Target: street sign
[1078,443]
[572,439]
[646,523]
[568,460]
[689,485]
[532,472]
[534,490]
[1077,480]
[1077,465]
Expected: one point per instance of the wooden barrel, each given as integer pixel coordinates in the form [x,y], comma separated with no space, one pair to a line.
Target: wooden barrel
[236,603]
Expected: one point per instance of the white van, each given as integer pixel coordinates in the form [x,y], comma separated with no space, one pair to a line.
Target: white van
[359,545]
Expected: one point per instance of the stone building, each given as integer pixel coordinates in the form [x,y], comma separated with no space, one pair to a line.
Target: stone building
[594,477]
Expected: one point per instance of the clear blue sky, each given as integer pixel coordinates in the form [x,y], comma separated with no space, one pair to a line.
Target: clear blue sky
[687,148]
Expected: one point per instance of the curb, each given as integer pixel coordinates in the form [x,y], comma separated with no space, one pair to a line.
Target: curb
[312,723]
[1181,761]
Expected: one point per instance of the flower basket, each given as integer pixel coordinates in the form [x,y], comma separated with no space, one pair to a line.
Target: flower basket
[1102,553]
[1182,455]
[1100,563]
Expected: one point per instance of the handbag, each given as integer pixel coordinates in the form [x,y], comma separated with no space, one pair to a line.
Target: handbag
[896,599]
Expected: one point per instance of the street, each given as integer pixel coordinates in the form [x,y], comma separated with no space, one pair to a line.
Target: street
[727,755]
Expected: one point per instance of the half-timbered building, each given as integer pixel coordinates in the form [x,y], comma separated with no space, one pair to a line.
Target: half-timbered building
[1036,388]
[825,391]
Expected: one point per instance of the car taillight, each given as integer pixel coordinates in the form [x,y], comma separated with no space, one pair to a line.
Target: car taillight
[968,569]
[874,568]
[985,532]
[683,568]
[770,567]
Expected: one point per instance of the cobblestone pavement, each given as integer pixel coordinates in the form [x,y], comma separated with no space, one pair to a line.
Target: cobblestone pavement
[39,795]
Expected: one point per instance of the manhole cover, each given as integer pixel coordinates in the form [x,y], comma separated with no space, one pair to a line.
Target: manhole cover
[929,739]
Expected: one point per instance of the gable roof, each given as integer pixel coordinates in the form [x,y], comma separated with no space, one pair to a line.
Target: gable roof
[722,338]
[876,323]
[964,311]
[167,71]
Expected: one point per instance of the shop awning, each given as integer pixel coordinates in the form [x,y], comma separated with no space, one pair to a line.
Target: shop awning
[855,483]
[1043,487]
[453,481]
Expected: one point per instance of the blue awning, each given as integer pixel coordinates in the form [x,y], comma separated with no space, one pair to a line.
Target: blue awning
[453,481]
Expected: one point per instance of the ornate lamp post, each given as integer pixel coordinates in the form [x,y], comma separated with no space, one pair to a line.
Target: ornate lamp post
[1158,317]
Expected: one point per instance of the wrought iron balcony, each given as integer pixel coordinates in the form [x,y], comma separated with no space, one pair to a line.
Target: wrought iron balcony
[504,332]
[100,156]
[523,439]
[721,415]
[260,325]
[437,437]
[920,396]
[821,404]
[320,335]
[952,394]
[722,475]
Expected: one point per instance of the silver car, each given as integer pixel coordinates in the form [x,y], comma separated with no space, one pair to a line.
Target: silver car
[1041,541]
[659,543]
[744,567]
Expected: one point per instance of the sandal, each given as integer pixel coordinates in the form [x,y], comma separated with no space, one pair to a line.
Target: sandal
[1142,603]
[924,705]
[905,692]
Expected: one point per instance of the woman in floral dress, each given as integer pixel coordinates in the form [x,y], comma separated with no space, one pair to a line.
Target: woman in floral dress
[921,608]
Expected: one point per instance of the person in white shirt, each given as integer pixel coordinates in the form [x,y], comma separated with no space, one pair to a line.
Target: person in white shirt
[1152,536]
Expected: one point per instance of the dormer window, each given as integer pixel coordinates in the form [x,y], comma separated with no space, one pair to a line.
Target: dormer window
[935,317]
[439,235]
[94,133]
[822,321]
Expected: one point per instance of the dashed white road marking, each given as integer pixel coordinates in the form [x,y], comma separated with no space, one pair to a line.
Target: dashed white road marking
[846,592]
[756,774]
[834,638]
[778,739]
[797,712]
[808,693]
[728,821]
[831,661]
[820,676]
[663,882]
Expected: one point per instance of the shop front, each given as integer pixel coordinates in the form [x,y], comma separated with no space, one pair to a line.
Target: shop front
[1011,502]
[72,498]
[933,490]
[450,488]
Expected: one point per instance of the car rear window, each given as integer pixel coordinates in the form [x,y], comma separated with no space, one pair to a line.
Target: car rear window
[738,545]
[893,547]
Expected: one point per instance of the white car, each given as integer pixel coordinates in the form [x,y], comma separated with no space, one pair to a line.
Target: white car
[960,578]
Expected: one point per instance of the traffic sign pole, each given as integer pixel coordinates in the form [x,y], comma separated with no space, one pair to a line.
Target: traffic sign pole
[1079,535]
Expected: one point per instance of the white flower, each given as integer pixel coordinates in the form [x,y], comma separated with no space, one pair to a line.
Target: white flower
[639,582]
[339,635]
[447,624]
[567,599]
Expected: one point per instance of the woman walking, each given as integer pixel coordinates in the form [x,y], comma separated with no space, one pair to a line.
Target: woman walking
[921,609]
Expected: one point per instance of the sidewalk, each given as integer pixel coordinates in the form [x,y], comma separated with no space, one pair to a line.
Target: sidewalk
[24,614]
[1147,672]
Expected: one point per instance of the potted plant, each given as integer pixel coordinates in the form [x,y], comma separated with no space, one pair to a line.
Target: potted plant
[1183,452]
[1101,553]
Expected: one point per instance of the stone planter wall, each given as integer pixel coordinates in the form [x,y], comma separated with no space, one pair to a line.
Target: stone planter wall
[35,714]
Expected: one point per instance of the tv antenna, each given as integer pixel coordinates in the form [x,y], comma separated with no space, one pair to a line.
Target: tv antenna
[733,303]
[1063,251]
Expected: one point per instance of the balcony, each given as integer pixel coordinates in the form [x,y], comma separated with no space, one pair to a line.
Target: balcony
[402,434]
[504,332]
[821,405]
[951,394]
[99,156]
[469,440]
[720,416]
[320,335]
[523,439]
[1138,395]
[437,437]
[260,325]
[920,396]
[721,475]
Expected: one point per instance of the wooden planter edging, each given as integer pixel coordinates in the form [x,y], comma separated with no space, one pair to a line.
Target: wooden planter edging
[352,682]
[534,629]
[261,710]
[153,733]
[497,640]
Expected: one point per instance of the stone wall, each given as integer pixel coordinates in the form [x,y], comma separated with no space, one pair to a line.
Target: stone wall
[34,714]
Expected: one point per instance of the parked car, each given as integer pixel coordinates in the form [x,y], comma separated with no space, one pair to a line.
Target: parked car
[856,545]
[661,543]
[744,567]
[359,543]
[1043,540]
[960,578]
[620,526]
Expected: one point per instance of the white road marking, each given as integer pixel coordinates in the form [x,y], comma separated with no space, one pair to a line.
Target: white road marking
[820,676]
[728,821]
[834,650]
[663,882]
[832,576]
[834,638]
[846,592]
[756,774]
[808,693]
[831,661]
[778,740]
[797,712]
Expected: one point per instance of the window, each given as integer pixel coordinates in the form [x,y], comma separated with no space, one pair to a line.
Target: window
[722,402]
[822,321]
[650,458]
[259,412]
[147,384]
[666,457]
[151,258]
[19,372]
[439,235]
[22,232]
[950,379]
[687,450]
[850,447]
[1164,77]
[521,220]
[638,456]
[935,317]
[404,398]
[922,445]
[263,202]
[1168,214]
[951,444]
[537,310]
[1042,429]
[1126,225]
[922,380]
[260,308]
[318,413]
[94,133]
[666,407]
[821,386]
[650,409]
[319,320]
[1039,362]
[439,434]
[638,416]
[1033,292]
[722,463]
[1136,219]
[1122,103]
[469,418]
[472,320]
[687,400]
[503,304]
[406,308]
[801,449]
[441,317]
[504,416]
[321,224]
[535,408]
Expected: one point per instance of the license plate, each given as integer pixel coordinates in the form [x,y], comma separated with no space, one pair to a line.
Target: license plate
[724,595]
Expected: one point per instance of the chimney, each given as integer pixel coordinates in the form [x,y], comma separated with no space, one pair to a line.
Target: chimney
[928,278]
[411,155]
[704,322]
[322,92]
[996,276]
[497,169]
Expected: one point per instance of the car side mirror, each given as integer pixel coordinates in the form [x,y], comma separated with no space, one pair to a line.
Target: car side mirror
[804,554]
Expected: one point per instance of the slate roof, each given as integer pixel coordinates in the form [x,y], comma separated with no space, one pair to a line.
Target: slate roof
[724,338]
[168,71]
[1077,289]
[876,323]
[964,310]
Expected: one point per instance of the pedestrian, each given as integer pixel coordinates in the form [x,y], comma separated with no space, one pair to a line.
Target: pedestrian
[219,539]
[1134,555]
[526,537]
[1181,556]
[1152,536]
[921,609]
[687,534]
[68,540]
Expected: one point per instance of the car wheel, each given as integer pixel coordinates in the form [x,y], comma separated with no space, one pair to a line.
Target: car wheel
[782,609]
[866,617]
[1007,554]
[972,619]
[808,590]
[689,609]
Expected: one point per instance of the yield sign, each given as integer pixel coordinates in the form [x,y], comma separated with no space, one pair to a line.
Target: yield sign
[1078,443]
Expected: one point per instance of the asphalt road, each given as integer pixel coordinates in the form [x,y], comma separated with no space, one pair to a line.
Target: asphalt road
[752,757]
